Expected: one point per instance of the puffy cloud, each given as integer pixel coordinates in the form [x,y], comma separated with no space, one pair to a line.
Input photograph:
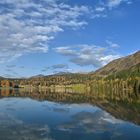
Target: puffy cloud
[115,3]
[27,26]
[112,45]
[60,66]
[56,68]
[11,66]
[105,6]
[84,55]
[66,51]
[100,9]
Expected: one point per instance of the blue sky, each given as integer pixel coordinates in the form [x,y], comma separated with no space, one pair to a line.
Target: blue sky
[50,36]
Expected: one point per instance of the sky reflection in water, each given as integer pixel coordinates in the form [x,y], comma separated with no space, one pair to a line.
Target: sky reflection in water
[28,119]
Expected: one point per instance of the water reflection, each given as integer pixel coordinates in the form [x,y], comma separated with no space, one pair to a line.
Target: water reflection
[122,107]
[70,116]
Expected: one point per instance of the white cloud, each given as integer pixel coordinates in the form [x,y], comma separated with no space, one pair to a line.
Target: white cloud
[112,44]
[115,3]
[105,6]
[67,51]
[60,66]
[100,9]
[84,55]
[27,26]
[108,58]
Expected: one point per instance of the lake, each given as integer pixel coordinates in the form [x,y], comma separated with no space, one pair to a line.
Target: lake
[66,116]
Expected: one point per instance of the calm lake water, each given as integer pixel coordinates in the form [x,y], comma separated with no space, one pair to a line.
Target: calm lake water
[25,118]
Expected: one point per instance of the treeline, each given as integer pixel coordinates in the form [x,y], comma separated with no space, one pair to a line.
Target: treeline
[125,74]
[120,83]
[67,79]
[116,88]
[9,83]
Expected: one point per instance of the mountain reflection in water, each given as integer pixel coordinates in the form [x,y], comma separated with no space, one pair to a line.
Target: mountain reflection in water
[44,115]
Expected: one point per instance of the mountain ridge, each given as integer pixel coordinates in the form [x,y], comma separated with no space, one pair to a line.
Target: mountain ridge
[120,64]
[125,64]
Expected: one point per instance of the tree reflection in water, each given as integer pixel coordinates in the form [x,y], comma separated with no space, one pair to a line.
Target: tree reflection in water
[122,106]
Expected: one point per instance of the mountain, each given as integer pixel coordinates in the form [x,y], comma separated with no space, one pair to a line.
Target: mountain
[62,73]
[122,67]
[37,76]
[2,77]
[128,63]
